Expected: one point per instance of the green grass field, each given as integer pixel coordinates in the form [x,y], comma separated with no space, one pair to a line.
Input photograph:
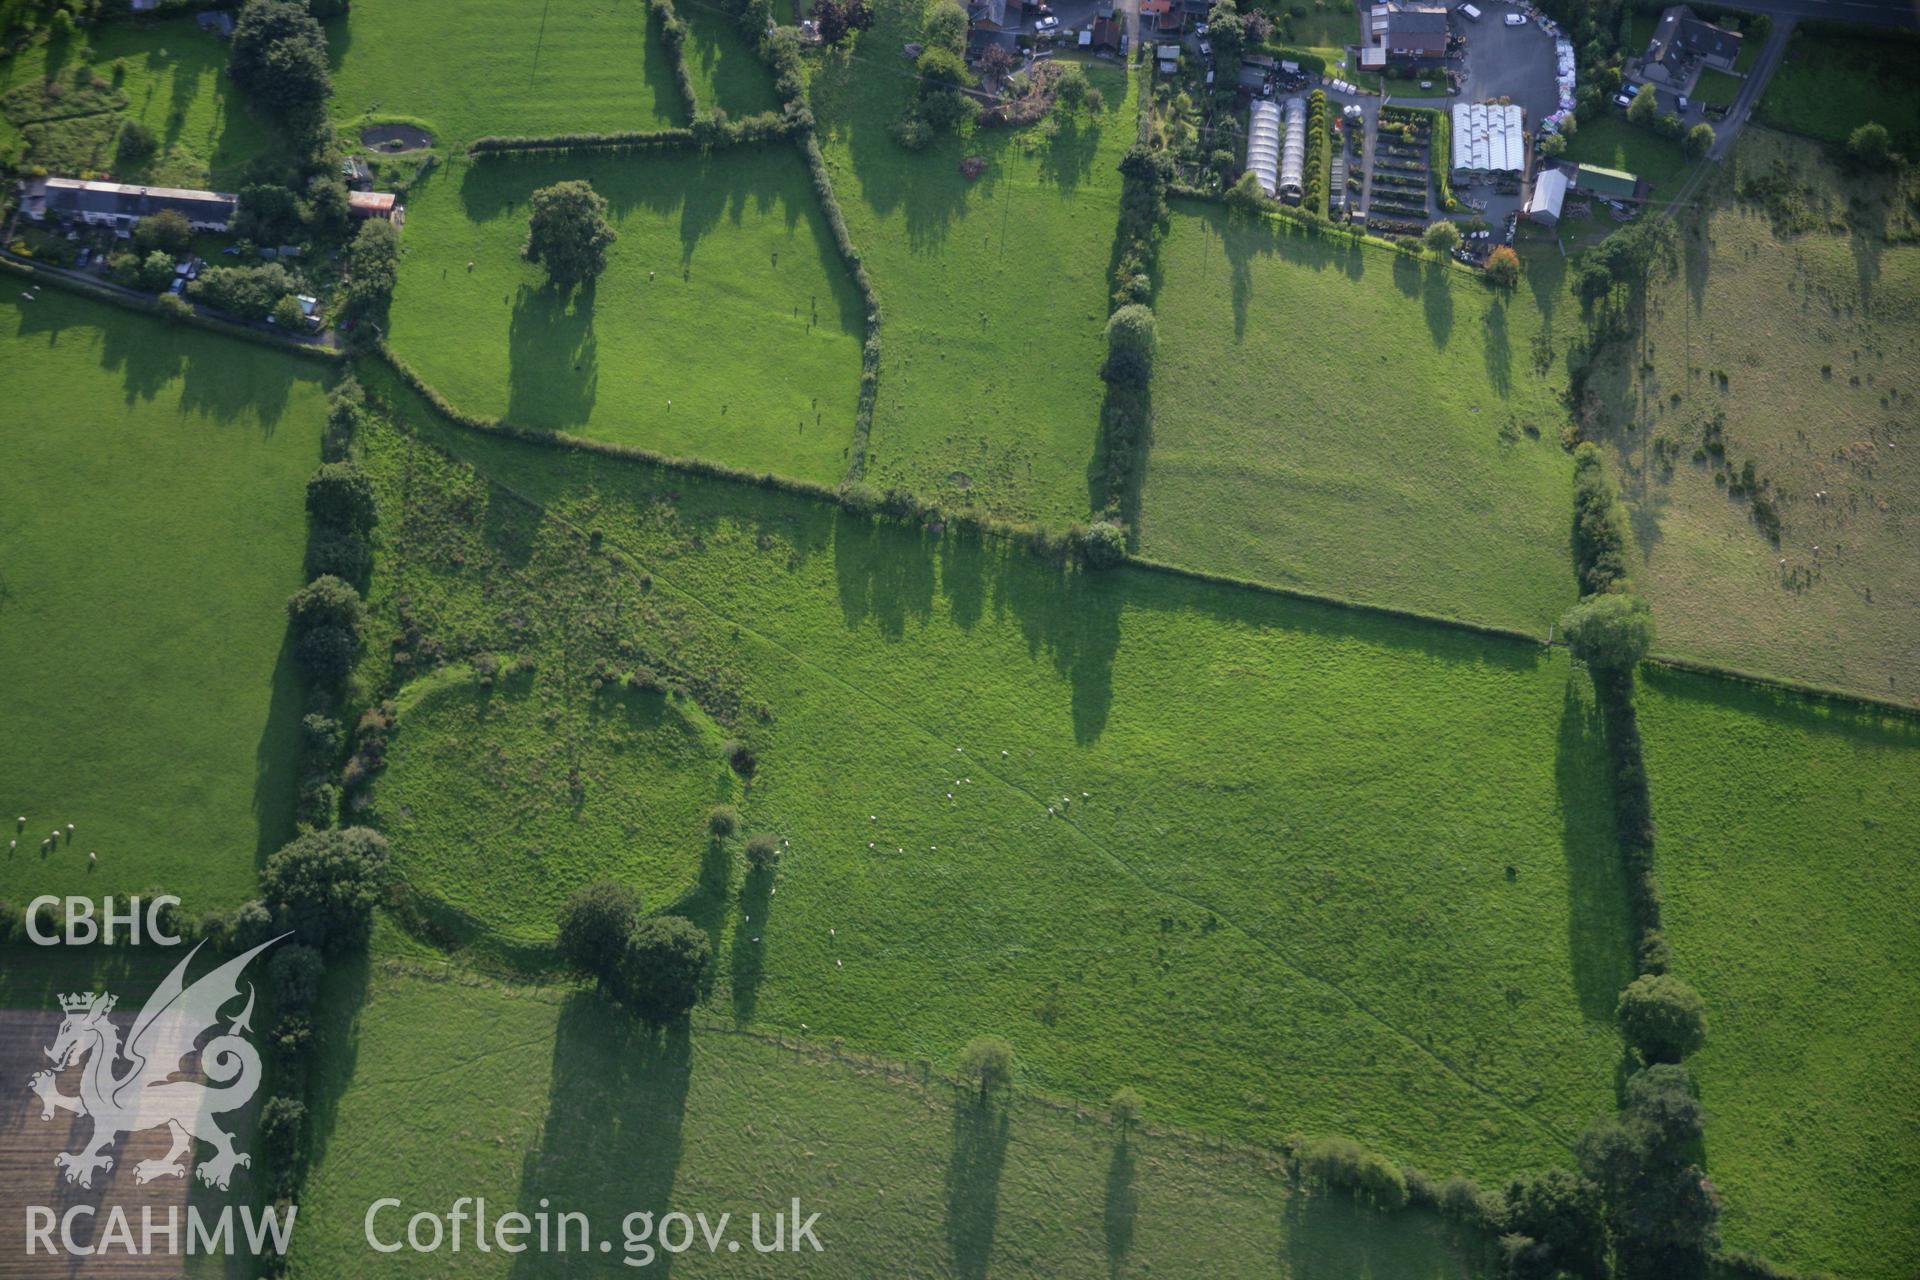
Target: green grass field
[467,68]
[151,528]
[727,72]
[995,289]
[503,799]
[1787,833]
[1816,335]
[1357,423]
[525,1093]
[1232,903]
[724,327]
[1830,84]
[173,81]
[1612,143]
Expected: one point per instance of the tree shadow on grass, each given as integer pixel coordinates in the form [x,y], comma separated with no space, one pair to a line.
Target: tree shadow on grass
[980,1131]
[553,372]
[336,1048]
[613,1138]
[748,964]
[1329,1236]
[1122,1206]
[1498,351]
[276,755]
[1436,296]
[1599,922]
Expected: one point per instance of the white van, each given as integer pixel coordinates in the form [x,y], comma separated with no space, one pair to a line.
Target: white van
[1468,12]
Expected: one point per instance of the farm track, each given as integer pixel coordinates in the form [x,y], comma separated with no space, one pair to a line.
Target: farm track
[634,565]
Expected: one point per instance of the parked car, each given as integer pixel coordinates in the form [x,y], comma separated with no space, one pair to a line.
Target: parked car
[1683,102]
[1047,23]
[179,285]
[1622,99]
[1516,19]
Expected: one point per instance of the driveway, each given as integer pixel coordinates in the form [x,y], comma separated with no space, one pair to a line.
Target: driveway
[1516,63]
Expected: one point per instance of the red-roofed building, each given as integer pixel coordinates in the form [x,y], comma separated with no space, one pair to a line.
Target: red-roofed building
[371,204]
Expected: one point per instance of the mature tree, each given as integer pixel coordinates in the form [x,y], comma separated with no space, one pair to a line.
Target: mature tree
[1443,237]
[247,292]
[1227,35]
[155,271]
[988,1062]
[168,230]
[328,618]
[1070,86]
[1564,1214]
[1663,1212]
[340,494]
[1662,1017]
[268,214]
[943,80]
[945,27]
[839,18]
[1613,631]
[324,885]
[1247,196]
[1554,144]
[763,850]
[665,968]
[280,55]
[296,971]
[1699,141]
[373,267]
[287,313]
[1125,1108]
[1645,108]
[1503,267]
[324,9]
[135,146]
[593,928]
[1871,145]
[1131,338]
[723,821]
[997,60]
[567,232]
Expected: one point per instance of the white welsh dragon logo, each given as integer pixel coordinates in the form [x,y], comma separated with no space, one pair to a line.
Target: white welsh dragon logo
[145,1095]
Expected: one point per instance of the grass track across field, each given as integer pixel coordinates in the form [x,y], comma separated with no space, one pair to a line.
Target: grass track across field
[526,1093]
[1357,422]
[1787,831]
[1240,917]
[151,528]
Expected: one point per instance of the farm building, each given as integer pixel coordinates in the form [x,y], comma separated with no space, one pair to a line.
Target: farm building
[371,204]
[111,204]
[1263,145]
[1610,184]
[1549,194]
[1489,138]
[1293,152]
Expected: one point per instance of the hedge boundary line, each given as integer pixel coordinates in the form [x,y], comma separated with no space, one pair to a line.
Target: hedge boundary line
[673,32]
[1824,693]
[857,268]
[101,293]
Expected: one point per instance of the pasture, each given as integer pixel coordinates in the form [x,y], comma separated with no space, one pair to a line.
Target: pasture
[169,76]
[1355,422]
[151,528]
[467,68]
[503,798]
[994,288]
[1794,350]
[726,69]
[1611,143]
[560,1096]
[724,327]
[1787,831]
[1222,846]
[1831,83]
